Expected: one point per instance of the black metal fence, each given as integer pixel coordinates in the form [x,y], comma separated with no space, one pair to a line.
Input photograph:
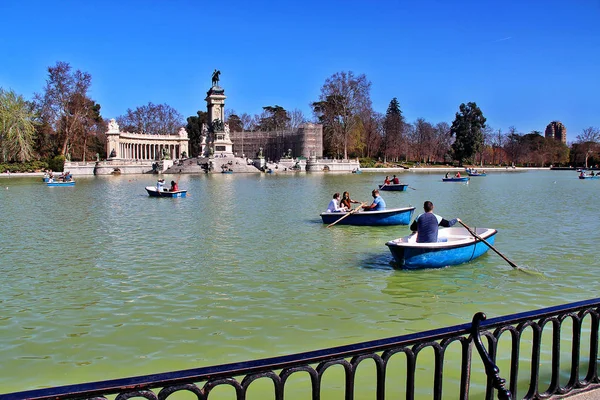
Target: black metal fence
[544,332]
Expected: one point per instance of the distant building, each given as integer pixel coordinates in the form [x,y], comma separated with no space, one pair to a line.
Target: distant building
[557,131]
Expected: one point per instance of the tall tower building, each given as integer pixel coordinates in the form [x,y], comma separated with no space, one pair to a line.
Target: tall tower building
[556,130]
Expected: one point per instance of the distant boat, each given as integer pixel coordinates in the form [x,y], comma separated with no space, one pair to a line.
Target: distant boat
[455,246]
[45,179]
[391,216]
[226,172]
[356,171]
[455,179]
[474,172]
[153,192]
[59,183]
[394,187]
[589,177]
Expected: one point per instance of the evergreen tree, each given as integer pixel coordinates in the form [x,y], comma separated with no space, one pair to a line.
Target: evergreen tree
[468,129]
[393,131]
[194,130]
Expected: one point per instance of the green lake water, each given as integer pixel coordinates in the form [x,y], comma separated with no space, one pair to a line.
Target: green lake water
[100,281]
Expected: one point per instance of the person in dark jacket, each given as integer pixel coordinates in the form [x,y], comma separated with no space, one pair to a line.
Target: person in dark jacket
[426,224]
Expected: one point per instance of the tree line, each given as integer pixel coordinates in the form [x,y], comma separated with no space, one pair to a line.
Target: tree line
[64,122]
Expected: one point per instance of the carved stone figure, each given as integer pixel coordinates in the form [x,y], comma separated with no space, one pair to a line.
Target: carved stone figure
[97,156]
[215,78]
[113,126]
[260,152]
[113,153]
[217,125]
[182,132]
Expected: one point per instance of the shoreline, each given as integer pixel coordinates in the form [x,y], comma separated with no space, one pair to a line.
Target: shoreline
[390,169]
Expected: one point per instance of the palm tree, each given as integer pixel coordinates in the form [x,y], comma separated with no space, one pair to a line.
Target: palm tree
[17,127]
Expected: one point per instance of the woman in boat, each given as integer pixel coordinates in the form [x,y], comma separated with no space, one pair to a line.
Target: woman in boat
[334,205]
[447,175]
[457,174]
[347,201]
[174,186]
[387,180]
[426,224]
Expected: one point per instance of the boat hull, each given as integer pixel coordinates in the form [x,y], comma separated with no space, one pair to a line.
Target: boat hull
[461,179]
[393,216]
[152,192]
[460,247]
[589,177]
[57,184]
[472,174]
[400,187]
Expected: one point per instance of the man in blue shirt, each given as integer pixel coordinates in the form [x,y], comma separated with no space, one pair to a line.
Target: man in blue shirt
[426,224]
[378,204]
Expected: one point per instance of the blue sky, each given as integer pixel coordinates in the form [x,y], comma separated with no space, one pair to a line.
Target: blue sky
[525,63]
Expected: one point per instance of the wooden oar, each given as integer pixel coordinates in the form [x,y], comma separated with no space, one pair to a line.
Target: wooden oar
[512,264]
[347,214]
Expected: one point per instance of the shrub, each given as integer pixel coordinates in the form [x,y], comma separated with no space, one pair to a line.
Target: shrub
[57,163]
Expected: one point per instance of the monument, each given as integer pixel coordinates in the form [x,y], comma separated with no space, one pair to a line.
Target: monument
[215,135]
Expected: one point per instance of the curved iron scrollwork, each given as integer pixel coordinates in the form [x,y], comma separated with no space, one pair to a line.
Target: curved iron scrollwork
[491,369]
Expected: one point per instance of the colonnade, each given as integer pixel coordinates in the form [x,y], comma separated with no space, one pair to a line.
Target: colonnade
[146,151]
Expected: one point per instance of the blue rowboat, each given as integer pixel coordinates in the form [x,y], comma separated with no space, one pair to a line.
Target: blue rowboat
[46,179]
[477,173]
[461,179]
[455,246]
[391,216]
[398,187]
[589,177]
[153,192]
[68,183]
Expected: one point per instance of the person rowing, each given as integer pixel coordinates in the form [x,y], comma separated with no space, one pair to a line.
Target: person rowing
[426,224]
[377,205]
[347,201]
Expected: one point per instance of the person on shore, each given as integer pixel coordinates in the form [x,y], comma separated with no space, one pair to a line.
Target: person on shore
[334,204]
[347,201]
[387,180]
[426,224]
[174,186]
[395,180]
[377,205]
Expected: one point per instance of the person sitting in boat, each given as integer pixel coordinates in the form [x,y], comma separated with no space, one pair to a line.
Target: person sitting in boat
[334,204]
[447,175]
[160,185]
[582,174]
[592,173]
[426,224]
[174,187]
[457,175]
[387,180]
[377,205]
[395,180]
[346,201]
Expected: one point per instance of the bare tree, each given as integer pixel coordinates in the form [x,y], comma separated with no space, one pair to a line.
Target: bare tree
[152,119]
[296,118]
[588,142]
[246,121]
[65,105]
[343,97]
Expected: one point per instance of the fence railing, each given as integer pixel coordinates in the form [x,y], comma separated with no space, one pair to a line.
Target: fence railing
[566,324]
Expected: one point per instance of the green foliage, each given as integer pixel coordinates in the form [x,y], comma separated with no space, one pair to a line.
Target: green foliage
[194,130]
[235,123]
[468,129]
[57,163]
[17,127]
[277,119]
[367,162]
[29,166]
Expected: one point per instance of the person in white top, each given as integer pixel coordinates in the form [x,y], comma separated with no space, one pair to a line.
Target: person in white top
[334,204]
[160,184]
